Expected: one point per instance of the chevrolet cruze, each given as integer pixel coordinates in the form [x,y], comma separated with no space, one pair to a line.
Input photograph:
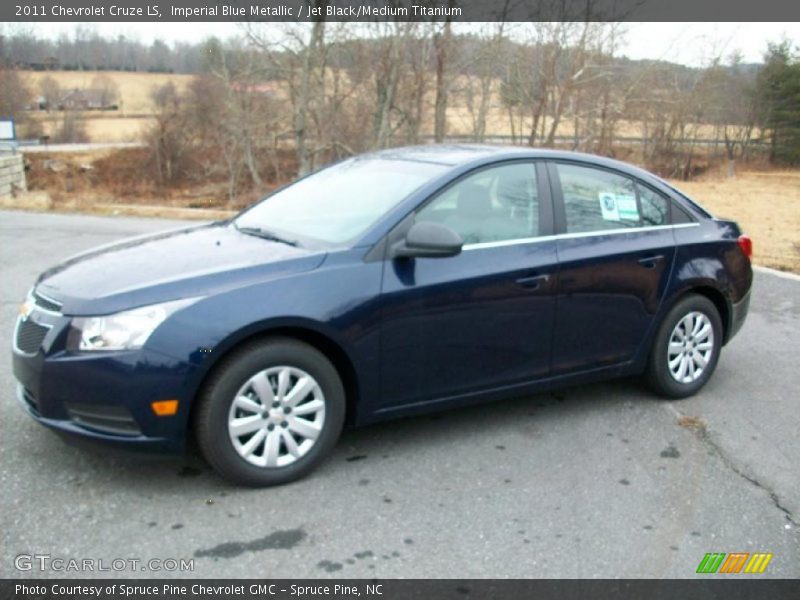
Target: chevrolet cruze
[385,285]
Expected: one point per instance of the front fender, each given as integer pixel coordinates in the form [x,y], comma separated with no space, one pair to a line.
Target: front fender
[338,304]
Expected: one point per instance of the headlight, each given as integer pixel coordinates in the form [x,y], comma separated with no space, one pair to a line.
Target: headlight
[122,331]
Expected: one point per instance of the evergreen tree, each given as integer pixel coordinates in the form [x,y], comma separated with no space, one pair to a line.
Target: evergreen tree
[779,103]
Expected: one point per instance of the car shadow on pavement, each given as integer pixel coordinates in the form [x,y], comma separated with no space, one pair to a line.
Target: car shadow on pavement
[402,440]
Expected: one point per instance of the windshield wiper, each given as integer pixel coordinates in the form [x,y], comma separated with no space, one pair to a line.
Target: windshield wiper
[267,235]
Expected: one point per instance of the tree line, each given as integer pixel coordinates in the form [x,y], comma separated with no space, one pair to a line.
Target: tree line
[86,50]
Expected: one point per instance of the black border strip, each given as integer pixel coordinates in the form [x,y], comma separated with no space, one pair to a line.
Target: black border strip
[733,587]
[97,11]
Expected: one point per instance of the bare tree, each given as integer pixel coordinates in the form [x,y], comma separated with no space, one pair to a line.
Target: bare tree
[482,71]
[239,113]
[304,94]
[387,70]
[297,55]
[168,136]
[731,96]
[70,128]
[14,96]
[50,92]
[546,73]
[107,89]
[442,42]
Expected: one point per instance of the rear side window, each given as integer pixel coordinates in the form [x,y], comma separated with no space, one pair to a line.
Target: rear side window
[653,207]
[689,201]
[596,200]
[679,215]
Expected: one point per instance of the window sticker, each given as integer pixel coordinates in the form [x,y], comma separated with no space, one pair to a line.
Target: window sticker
[626,206]
[618,207]
[608,205]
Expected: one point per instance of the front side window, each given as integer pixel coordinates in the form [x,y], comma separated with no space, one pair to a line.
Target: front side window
[492,205]
[339,203]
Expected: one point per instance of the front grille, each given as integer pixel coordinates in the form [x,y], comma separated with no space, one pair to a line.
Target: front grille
[116,420]
[46,303]
[30,400]
[30,336]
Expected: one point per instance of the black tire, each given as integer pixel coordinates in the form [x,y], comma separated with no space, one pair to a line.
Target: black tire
[658,376]
[217,396]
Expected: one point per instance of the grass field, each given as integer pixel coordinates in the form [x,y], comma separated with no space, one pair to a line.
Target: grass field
[765,204]
[101,127]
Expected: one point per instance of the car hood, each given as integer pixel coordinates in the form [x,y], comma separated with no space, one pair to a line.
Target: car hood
[188,262]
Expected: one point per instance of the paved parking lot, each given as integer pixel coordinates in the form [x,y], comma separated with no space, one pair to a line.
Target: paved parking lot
[594,481]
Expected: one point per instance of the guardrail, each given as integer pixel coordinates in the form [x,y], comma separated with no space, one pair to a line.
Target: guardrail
[521,140]
[88,147]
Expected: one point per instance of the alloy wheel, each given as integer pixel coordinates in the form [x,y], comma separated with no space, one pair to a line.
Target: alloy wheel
[276,417]
[691,346]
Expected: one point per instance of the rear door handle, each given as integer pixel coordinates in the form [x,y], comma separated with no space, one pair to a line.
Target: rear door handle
[650,262]
[533,282]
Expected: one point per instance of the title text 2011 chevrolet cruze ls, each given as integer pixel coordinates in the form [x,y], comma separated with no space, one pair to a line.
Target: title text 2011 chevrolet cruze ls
[388,284]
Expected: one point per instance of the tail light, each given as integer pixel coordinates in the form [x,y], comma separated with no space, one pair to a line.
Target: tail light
[746,244]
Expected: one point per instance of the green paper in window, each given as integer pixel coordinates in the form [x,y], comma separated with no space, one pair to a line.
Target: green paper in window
[626,206]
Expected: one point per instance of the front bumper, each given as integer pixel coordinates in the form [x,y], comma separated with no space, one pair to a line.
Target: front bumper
[106,397]
[73,431]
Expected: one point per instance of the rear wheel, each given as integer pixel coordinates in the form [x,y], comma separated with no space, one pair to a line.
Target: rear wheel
[686,348]
[271,413]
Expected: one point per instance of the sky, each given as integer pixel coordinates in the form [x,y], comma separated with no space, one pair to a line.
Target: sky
[691,44]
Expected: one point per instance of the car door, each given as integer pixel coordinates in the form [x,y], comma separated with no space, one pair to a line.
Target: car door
[483,318]
[616,249]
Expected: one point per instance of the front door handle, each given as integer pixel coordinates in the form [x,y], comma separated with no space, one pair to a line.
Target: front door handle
[533,282]
[650,262]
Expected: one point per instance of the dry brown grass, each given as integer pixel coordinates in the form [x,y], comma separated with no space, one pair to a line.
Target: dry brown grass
[766,204]
[460,122]
[101,127]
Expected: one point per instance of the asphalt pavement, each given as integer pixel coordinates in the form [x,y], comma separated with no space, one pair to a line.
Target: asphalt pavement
[593,481]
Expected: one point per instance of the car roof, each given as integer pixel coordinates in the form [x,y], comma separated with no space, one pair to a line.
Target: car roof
[443,154]
[455,155]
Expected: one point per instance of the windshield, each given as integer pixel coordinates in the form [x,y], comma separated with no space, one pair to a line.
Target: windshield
[337,204]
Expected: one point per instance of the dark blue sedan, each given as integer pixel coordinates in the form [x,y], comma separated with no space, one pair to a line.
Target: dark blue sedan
[386,285]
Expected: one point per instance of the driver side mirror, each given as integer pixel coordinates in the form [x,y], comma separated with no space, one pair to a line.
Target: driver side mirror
[428,240]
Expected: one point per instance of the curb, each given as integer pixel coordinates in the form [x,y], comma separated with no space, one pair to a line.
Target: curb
[41,203]
[777,273]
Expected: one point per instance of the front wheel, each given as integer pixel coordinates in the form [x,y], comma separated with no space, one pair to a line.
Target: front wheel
[686,348]
[271,413]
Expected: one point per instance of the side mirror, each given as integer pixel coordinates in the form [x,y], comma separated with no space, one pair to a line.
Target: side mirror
[428,240]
